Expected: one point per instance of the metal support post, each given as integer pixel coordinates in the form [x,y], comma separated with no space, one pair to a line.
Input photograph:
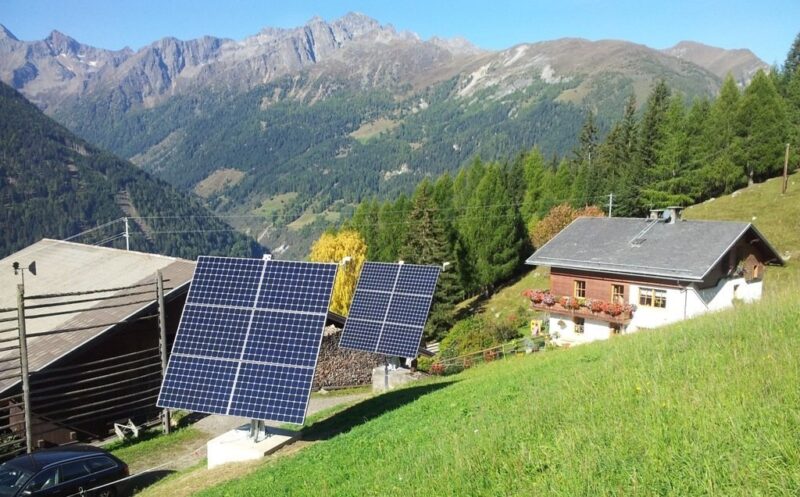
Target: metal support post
[162,328]
[127,235]
[386,372]
[23,366]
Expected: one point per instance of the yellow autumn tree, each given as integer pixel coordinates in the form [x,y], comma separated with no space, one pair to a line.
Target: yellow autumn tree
[333,247]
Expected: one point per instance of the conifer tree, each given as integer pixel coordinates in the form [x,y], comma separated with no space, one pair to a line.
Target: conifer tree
[534,172]
[495,239]
[392,228]
[763,128]
[427,243]
[792,58]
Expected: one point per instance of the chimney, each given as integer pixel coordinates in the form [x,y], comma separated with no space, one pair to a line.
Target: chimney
[672,214]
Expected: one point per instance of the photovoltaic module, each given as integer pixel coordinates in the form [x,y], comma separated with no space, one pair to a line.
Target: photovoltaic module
[248,339]
[389,308]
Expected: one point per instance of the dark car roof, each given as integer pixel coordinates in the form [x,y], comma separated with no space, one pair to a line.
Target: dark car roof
[43,458]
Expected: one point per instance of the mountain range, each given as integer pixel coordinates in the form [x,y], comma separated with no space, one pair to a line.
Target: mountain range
[54,184]
[288,128]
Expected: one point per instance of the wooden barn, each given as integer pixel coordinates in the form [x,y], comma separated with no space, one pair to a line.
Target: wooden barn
[107,367]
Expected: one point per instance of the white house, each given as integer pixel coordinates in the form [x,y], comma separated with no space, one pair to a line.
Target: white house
[618,275]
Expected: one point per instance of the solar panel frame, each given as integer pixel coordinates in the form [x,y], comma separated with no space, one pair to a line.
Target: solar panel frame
[392,297]
[297,300]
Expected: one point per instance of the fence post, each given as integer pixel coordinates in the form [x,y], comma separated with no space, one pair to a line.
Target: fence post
[23,366]
[162,325]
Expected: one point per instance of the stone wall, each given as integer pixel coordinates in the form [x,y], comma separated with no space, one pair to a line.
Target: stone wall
[341,367]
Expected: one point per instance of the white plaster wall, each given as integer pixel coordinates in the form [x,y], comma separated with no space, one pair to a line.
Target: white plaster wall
[651,317]
[592,330]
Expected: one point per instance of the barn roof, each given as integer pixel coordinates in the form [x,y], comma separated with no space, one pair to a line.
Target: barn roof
[684,250]
[73,267]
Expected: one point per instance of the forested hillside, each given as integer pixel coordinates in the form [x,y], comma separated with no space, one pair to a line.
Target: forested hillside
[53,184]
[492,215]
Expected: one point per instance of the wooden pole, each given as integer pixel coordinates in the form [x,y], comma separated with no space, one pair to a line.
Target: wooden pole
[23,366]
[785,170]
[162,326]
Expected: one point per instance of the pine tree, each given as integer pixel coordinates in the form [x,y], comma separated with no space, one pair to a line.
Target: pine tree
[619,164]
[427,242]
[652,126]
[495,239]
[392,228]
[365,220]
[584,156]
[792,58]
[763,128]
[534,171]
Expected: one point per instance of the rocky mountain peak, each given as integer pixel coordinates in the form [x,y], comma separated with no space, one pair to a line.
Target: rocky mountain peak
[741,63]
[6,34]
[62,44]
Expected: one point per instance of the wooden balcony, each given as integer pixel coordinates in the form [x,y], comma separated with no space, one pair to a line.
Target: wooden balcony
[623,318]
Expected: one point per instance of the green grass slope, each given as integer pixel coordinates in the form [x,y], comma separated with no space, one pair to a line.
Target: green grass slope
[706,407]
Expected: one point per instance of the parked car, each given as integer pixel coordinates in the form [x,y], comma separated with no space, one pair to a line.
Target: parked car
[62,472]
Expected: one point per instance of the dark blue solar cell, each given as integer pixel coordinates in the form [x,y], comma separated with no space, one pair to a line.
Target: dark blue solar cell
[285,338]
[360,335]
[409,310]
[278,393]
[212,331]
[378,276]
[416,279]
[369,305]
[197,384]
[401,341]
[297,286]
[225,281]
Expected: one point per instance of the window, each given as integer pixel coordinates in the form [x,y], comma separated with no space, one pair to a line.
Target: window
[100,464]
[73,471]
[755,272]
[618,294]
[652,297]
[43,481]
[12,478]
[579,324]
[580,289]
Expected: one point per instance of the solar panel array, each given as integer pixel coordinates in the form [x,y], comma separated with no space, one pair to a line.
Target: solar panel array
[249,338]
[389,308]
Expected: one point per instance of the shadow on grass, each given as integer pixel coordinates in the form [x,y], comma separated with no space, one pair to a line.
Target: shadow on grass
[141,481]
[367,410]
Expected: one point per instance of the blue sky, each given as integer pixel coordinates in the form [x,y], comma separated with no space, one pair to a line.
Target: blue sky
[766,27]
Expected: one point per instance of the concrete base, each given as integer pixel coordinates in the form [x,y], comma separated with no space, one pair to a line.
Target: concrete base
[397,377]
[237,446]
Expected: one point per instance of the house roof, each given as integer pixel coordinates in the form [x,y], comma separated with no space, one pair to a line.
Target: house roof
[73,267]
[683,251]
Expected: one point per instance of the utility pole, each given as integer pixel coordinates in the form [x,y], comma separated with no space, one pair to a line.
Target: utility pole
[785,170]
[610,203]
[162,326]
[23,366]
[127,235]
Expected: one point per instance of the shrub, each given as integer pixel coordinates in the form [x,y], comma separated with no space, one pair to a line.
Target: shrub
[424,364]
[437,368]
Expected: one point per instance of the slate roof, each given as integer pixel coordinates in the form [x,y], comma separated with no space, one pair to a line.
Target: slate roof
[72,267]
[684,250]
